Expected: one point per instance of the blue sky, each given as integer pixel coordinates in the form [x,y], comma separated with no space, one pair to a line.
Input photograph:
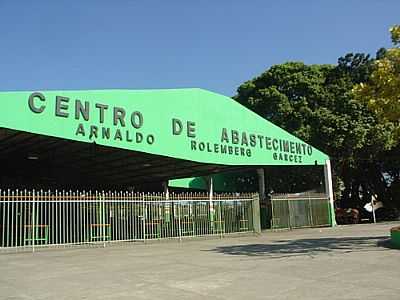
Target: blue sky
[214,45]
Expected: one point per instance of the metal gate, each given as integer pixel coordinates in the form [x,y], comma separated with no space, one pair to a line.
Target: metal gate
[300,210]
[34,219]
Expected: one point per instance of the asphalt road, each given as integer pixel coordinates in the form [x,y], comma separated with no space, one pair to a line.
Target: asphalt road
[346,262]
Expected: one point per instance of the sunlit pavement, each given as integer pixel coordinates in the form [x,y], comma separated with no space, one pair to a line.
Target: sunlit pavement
[346,262]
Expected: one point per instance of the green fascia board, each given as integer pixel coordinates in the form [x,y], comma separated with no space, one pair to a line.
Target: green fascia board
[209,128]
[222,182]
[197,183]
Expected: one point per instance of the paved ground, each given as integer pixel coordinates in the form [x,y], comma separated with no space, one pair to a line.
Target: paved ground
[348,262]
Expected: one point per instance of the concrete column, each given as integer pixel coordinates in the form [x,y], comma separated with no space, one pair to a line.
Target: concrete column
[265,208]
[210,186]
[329,189]
[261,184]
[256,214]
[167,206]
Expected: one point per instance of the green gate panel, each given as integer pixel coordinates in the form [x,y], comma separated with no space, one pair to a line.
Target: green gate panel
[298,213]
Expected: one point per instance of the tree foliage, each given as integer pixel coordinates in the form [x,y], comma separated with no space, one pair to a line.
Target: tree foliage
[316,103]
[395,34]
[382,90]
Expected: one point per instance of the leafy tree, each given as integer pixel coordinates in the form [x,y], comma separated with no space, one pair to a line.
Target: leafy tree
[395,33]
[382,90]
[316,103]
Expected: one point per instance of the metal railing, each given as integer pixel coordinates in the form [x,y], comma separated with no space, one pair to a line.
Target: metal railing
[34,219]
[302,210]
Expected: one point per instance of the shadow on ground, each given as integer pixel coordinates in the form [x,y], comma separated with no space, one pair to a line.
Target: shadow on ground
[308,247]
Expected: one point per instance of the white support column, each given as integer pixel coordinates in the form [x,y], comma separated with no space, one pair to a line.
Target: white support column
[329,189]
[167,207]
[373,207]
[166,190]
[211,196]
[210,187]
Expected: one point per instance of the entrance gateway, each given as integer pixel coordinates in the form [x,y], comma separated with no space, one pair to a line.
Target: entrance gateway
[130,140]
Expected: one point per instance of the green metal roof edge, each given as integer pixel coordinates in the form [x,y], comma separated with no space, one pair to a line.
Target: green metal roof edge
[208,112]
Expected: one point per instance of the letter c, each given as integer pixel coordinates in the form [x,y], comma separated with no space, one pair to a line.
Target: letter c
[31,102]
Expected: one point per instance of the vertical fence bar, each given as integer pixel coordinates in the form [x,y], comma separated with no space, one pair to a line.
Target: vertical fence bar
[179,218]
[19,222]
[221,222]
[8,219]
[114,208]
[57,218]
[125,220]
[102,221]
[131,223]
[81,212]
[67,221]
[121,217]
[144,218]
[27,215]
[3,226]
[40,217]
[75,206]
[51,220]
[86,223]
[310,207]
[117,216]
[33,220]
[63,217]
[12,218]
[60,214]
[71,218]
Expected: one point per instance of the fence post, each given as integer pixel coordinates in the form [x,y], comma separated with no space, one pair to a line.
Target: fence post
[221,224]
[211,204]
[33,220]
[3,198]
[256,213]
[166,208]
[8,218]
[310,207]
[179,220]
[144,218]
[103,219]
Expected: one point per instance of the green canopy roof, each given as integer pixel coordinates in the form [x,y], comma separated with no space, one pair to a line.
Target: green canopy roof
[189,124]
